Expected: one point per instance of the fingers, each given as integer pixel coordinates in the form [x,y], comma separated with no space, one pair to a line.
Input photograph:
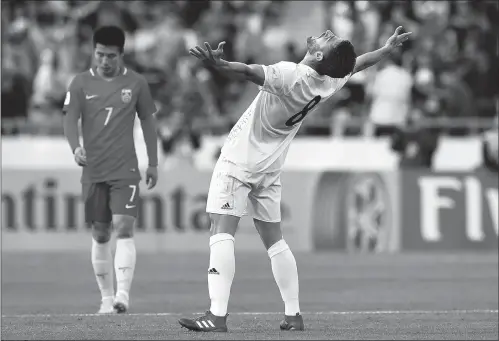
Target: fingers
[80,157]
[209,49]
[81,161]
[195,54]
[151,181]
[398,30]
[201,51]
[198,52]
[405,36]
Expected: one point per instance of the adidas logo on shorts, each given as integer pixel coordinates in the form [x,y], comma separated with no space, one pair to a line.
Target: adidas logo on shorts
[213,271]
[226,206]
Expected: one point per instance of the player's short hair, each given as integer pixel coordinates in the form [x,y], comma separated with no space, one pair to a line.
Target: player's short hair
[339,60]
[110,36]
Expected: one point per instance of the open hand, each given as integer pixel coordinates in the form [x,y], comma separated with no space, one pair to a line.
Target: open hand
[151,177]
[209,56]
[80,156]
[397,38]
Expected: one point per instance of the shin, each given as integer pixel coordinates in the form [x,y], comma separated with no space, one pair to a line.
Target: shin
[102,258]
[125,257]
[222,261]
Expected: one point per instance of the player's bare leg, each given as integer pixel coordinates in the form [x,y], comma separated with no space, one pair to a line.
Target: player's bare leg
[220,275]
[102,263]
[124,260]
[285,272]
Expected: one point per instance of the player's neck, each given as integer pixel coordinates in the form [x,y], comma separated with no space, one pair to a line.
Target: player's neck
[310,63]
[111,77]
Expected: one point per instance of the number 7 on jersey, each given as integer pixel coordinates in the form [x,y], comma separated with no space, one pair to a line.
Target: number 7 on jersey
[109,112]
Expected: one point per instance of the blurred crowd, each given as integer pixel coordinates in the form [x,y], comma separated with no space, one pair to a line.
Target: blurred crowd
[45,43]
[447,72]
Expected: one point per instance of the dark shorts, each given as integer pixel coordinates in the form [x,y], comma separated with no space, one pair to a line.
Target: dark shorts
[104,199]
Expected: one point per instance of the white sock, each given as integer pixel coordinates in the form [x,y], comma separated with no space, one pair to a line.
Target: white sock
[221,272]
[286,276]
[102,262]
[124,265]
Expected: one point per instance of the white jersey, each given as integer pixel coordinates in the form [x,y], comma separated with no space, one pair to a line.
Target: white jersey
[260,140]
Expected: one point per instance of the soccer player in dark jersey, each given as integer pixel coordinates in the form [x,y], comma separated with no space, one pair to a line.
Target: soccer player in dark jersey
[107,97]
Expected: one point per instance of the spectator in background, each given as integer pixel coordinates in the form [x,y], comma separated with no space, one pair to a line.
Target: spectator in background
[391,97]
[415,143]
[15,98]
[490,151]
[292,53]
[480,72]
[180,128]
[460,35]
[455,96]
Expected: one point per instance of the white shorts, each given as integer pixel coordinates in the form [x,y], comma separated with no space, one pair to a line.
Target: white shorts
[231,187]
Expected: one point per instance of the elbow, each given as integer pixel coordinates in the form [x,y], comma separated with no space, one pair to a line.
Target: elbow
[148,125]
[148,120]
[254,73]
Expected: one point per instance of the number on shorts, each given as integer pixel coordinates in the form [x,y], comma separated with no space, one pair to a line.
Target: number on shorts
[134,188]
[109,112]
[296,118]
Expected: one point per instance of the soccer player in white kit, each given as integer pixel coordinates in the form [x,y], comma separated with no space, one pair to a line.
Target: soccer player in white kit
[246,178]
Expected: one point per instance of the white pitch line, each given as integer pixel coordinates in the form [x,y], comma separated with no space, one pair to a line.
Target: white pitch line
[375,312]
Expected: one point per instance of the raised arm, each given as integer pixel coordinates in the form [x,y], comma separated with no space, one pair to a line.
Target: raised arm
[369,59]
[212,59]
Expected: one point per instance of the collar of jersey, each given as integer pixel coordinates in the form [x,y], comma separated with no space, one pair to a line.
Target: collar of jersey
[313,73]
[123,71]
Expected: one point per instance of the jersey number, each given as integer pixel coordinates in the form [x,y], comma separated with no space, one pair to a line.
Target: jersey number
[296,118]
[134,188]
[109,112]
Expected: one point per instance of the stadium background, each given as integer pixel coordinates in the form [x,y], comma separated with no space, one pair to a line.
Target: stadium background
[399,186]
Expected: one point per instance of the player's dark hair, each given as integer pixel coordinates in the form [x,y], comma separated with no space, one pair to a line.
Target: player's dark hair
[110,36]
[339,60]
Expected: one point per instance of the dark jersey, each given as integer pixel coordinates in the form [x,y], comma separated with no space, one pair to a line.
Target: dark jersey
[108,110]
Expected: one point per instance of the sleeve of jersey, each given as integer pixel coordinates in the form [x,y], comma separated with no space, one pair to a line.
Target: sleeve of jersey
[274,79]
[339,83]
[73,98]
[145,102]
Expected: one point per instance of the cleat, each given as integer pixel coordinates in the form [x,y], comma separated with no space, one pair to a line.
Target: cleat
[106,306]
[292,322]
[121,304]
[206,323]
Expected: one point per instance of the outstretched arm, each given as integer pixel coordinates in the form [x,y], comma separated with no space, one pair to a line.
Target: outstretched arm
[369,59]
[212,59]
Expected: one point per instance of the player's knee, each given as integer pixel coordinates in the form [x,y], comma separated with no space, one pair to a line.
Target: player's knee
[223,224]
[277,248]
[270,240]
[270,232]
[124,226]
[101,232]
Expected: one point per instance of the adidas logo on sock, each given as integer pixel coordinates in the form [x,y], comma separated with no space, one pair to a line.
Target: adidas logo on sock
[226,206]
[213,271]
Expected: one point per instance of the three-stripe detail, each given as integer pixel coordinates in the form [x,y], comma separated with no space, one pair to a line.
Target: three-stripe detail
[205,324]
